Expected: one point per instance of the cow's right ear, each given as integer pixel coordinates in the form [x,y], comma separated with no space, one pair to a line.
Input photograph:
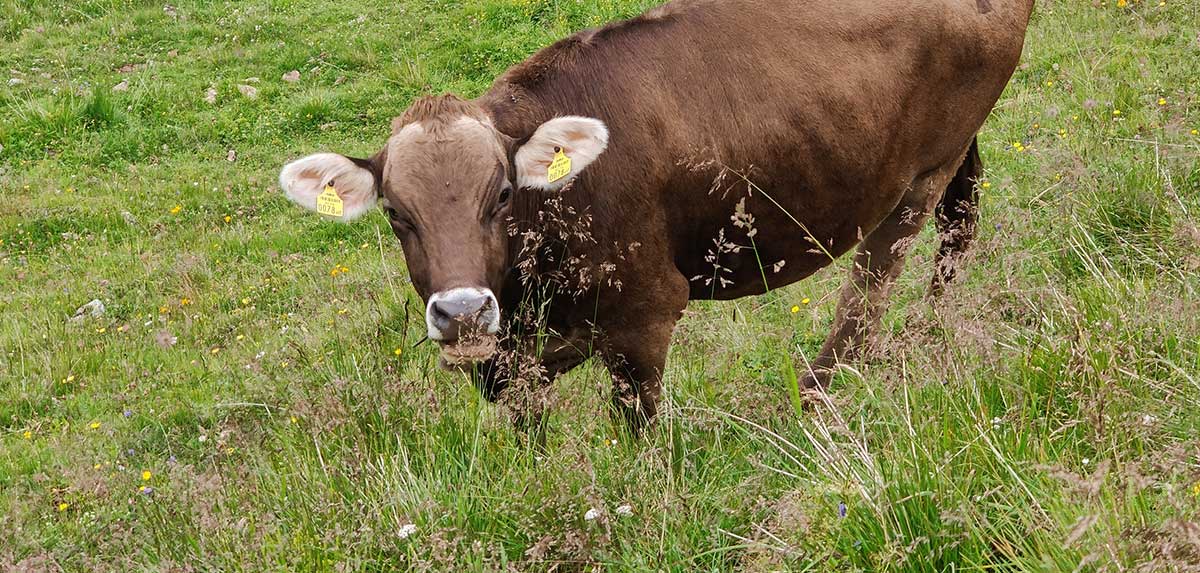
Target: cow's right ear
[354,184]
[558,151]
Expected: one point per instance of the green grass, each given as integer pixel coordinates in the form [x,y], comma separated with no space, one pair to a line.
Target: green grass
[1043,416]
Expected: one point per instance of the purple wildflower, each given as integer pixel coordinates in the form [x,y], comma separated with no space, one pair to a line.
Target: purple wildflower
[842,510]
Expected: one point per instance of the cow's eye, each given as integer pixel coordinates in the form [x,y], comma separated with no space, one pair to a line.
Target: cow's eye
[505,196]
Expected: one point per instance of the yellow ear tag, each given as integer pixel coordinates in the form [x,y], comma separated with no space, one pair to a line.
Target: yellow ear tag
[560,167]
[329,203]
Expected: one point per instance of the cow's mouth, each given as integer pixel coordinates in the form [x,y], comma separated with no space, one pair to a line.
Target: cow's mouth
[468,350]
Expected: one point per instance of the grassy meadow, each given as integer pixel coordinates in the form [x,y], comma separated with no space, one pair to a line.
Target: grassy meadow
[252,397]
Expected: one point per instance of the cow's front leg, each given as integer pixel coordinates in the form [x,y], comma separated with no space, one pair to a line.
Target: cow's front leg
[635,352]
[521,383]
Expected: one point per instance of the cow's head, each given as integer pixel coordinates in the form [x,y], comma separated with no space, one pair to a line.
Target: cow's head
[446,180]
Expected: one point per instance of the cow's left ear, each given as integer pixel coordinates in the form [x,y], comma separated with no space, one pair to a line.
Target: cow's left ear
[558,151]
[309,181]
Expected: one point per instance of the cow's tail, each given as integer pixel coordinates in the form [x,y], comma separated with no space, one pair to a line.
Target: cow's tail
[957,216]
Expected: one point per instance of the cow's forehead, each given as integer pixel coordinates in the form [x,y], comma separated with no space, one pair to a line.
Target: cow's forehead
[462,134]
[442,154]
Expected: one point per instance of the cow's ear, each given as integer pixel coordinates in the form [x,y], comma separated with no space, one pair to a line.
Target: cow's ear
[558,151]
[355,185]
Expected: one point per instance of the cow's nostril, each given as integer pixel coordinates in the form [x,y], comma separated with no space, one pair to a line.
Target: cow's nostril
[442,312]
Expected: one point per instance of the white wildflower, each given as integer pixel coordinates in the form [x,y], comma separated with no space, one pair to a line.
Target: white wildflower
[591,514]
[406,530]
[625,510]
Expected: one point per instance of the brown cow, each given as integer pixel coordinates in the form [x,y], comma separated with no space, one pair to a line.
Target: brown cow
[719,149]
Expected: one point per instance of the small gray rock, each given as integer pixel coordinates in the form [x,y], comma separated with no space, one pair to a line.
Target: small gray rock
[95,309]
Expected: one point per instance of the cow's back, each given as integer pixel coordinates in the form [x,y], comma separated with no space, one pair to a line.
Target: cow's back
[815,116]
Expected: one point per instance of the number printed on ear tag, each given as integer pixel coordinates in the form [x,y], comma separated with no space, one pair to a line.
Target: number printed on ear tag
[560,167]
[329,202]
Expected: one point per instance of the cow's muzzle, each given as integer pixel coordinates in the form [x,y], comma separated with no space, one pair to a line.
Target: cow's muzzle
[462,313]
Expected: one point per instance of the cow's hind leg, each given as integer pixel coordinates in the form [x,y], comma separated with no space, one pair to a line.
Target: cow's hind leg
[878,262]
[956,218]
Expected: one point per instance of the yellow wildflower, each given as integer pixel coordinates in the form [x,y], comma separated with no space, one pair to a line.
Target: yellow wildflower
[795,309]
[245,301]
[63,506]
[806,301]
[1122,3]
[228,219]
[215,350]
[338,270]
[398,351]
[176,209]
[1162,101]
[28,435]
[185,301]
[94,425]
[146,475]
